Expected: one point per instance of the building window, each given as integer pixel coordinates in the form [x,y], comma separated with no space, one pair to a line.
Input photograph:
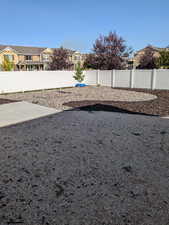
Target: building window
[9,57]
[77,57]
[45,57]
[28,57]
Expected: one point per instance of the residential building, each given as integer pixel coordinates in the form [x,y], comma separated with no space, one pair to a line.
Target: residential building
[141,52]
[33,58]
[76,57]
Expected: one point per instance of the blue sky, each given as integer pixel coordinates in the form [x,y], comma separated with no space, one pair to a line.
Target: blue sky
[77,23]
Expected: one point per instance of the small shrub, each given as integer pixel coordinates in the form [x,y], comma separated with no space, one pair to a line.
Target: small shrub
[7,65]
[79,76]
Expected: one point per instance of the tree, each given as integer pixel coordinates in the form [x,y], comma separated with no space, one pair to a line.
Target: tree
[7,65]
[163,60]
[60,60]
[79,76]
[148,60]
[109,52]
[91,62]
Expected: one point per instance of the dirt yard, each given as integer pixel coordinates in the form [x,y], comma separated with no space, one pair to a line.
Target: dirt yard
[151,102]
[59,98]
[89,167]
[85,168]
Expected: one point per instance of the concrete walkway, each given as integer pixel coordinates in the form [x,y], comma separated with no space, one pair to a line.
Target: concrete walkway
[18,112]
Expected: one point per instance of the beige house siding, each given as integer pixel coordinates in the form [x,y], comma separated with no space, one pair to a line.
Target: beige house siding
[77,57]
[40,57]
[21,58]
[36,58]
[139,54]
[15,56]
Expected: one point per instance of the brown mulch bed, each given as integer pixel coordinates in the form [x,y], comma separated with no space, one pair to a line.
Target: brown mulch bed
[5,101]
[157,107]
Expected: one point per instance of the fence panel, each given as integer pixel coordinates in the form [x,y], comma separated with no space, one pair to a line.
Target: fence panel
[91,77]
[122,78]
[142,79]
[26,81]
[105,77]
[162,79]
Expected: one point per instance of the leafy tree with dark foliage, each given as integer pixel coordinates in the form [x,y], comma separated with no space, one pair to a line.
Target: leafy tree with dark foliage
[163,60]
[60,60]
[91,62]
[109,52]
[148,60]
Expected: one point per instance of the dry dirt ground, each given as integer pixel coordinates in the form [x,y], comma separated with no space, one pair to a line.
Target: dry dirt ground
[85,168]
[57,98]
[151,102]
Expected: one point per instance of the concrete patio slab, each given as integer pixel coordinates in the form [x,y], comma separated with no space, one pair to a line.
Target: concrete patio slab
[17,112]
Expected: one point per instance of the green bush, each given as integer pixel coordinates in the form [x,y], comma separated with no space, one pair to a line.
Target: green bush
[79,76]
[7,65]
[163,60]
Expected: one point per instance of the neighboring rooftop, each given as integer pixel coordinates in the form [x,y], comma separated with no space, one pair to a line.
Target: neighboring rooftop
[24,49]
[28,50]
[154,48]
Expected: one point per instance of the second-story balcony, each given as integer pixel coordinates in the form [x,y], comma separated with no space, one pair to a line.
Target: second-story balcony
[28,58]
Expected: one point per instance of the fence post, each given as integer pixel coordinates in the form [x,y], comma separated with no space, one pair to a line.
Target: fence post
[113,72]
[97,77]
[132,73]
[153,79]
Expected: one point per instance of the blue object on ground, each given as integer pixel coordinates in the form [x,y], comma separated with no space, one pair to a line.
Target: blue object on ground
[80,85]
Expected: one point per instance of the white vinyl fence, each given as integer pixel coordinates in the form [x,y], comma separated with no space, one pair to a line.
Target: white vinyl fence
[150,79]
[36,80]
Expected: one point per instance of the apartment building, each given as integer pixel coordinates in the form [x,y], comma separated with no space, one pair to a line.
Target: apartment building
[33,58]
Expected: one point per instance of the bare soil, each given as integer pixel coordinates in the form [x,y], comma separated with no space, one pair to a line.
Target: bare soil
[156,107]
[5,101]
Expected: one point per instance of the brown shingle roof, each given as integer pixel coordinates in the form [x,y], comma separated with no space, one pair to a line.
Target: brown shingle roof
[153,48]
[24,50]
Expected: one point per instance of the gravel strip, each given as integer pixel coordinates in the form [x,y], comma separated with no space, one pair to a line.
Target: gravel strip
[58,98]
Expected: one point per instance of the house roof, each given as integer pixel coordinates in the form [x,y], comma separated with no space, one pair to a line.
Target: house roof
[28,50]
[24,50]
[153,48]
